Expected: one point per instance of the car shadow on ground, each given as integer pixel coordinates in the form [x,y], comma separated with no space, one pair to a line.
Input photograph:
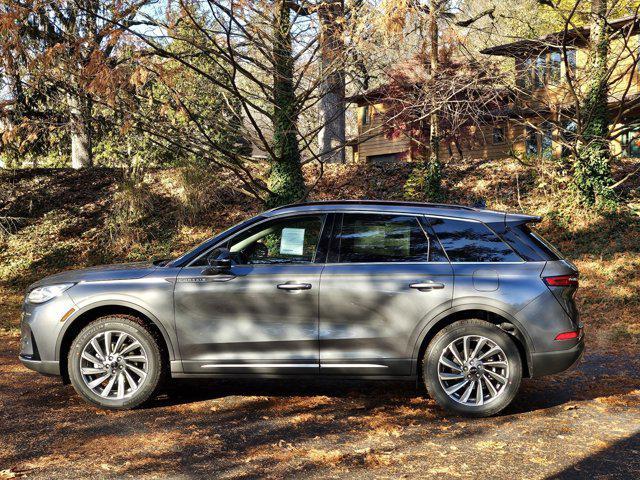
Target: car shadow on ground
[535,394]
[620,460]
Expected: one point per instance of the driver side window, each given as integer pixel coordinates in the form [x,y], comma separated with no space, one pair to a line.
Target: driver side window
[289,240]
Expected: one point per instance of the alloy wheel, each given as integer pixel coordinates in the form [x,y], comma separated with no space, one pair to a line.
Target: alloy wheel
[473,370]
[113,365]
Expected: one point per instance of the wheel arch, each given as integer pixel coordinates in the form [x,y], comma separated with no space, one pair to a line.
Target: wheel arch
[86,315]
[483,312]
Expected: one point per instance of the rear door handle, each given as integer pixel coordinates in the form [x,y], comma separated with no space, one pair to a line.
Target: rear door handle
[430,285]
[294,286]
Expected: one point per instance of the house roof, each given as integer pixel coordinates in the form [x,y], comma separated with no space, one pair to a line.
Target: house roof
[557,39]
[374,94]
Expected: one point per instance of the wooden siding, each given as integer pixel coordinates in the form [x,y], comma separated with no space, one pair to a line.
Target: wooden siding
[478,142]
[372,141]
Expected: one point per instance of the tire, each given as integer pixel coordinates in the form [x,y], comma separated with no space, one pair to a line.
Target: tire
[132,374]
[497,364]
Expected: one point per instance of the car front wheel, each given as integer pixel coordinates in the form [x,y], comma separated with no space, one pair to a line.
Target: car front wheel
[115,363]
[473,368]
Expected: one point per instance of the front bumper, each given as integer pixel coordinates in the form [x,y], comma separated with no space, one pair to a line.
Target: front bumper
[548,363]
[40,366]
[40,329]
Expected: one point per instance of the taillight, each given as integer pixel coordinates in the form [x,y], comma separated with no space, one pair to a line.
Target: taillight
[568,335]
[561,281]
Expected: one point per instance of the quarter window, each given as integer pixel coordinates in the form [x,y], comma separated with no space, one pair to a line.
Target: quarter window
[471,242]
[384,238]
[289,240]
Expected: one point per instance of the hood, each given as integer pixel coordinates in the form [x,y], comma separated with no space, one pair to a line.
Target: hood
[124,271]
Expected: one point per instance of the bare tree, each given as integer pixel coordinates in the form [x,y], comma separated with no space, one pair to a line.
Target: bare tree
[428,18]
[64,51]
[263,57]
[593,104]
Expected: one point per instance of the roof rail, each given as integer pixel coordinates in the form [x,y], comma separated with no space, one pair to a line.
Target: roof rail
[375,202]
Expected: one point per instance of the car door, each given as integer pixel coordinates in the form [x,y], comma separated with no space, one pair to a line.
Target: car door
[385,275]
[262,315]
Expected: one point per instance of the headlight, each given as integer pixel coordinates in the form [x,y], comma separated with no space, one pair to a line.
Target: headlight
[42,294]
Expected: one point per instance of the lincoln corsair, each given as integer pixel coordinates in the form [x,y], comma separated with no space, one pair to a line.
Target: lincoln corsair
[462,300]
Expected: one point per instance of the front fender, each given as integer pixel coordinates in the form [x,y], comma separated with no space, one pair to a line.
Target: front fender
[168,334]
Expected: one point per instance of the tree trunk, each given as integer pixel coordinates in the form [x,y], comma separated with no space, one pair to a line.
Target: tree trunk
[592,170]
[332,136]
[80,131]
[12,117]
[286,182]
[433,170]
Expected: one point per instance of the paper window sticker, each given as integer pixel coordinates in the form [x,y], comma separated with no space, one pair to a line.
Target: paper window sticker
[292,241]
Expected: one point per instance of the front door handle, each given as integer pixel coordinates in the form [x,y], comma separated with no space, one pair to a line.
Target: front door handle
[294,286]
[430,285]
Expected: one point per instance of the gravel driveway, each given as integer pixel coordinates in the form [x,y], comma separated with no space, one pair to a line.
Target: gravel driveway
[582,424]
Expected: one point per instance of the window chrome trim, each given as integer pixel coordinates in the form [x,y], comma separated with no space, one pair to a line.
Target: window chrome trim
[352,365]
[326,213]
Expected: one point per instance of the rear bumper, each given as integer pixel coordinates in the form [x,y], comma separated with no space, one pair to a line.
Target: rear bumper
[548,363]
[40,366]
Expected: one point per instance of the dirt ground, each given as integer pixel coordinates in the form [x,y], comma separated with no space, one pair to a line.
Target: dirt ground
[581,424]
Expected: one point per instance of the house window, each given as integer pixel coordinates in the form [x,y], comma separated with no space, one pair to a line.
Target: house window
[385,158]
[631,143]
[555,66]
[571,61]
[365,115]
[525,81]
[531,141]
[545,69]
[498,135]
[539,71]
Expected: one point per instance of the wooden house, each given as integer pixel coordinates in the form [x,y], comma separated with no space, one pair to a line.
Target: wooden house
[541,109]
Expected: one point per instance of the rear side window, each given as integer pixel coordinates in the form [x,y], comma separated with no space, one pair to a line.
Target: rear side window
[471,242]
[367,238]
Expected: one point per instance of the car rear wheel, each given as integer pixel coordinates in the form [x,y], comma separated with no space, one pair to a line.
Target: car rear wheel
[115,363]
[473,368]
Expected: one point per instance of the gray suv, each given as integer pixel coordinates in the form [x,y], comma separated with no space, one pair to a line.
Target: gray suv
[466,301]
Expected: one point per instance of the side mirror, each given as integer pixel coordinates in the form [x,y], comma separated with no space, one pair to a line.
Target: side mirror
[219,262]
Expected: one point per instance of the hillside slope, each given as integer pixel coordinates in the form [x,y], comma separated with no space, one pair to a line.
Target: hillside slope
[58,219]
